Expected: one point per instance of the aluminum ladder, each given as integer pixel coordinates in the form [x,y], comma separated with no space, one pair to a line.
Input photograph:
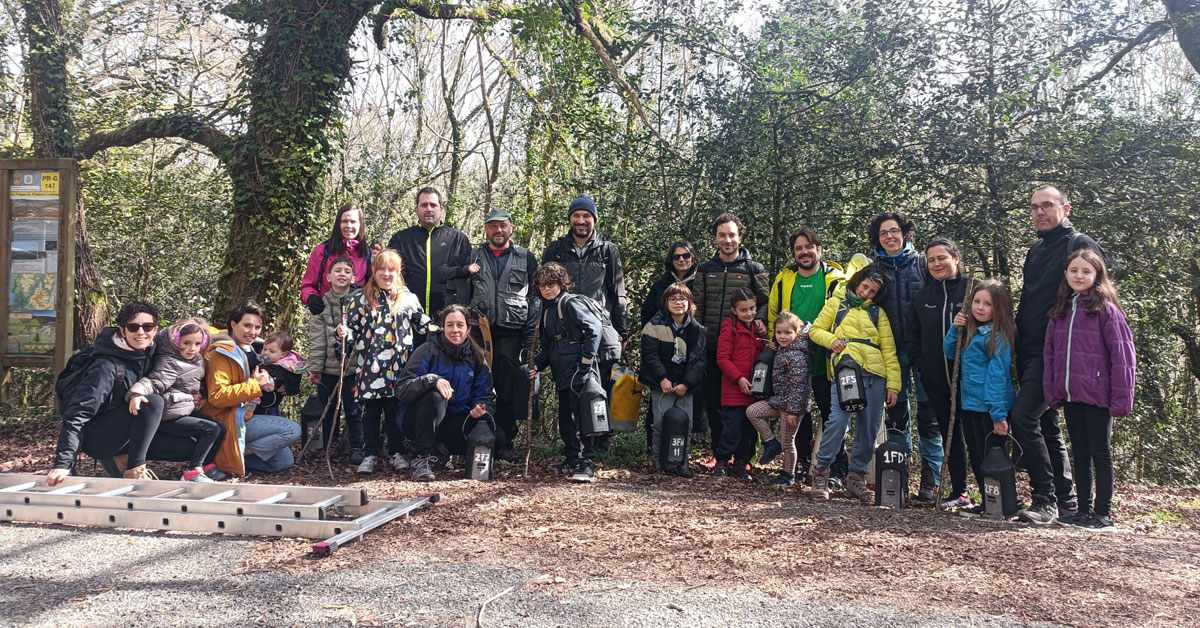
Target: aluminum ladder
[337,515]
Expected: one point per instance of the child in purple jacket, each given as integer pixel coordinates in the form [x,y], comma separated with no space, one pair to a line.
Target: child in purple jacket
[1090,373]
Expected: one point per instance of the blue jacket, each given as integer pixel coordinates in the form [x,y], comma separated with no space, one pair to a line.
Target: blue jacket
[437,359]
[986,383]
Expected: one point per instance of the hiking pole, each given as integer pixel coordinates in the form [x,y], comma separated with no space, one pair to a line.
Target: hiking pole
[958,349]
[337,393]
[532,397]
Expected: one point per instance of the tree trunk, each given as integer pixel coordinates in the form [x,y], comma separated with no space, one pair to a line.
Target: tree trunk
[55,137]
[1184,16]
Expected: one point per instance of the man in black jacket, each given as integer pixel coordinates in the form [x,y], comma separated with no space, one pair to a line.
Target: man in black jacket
[594,265]
[716,280]
[1034,425]
[501,292]
[433,255]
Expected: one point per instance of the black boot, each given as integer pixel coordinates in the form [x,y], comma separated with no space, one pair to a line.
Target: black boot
[929,484]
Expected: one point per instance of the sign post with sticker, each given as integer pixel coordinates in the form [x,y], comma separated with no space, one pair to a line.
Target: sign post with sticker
[37,263]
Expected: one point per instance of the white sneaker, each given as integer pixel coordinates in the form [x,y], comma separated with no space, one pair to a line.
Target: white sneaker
[399,462]
[368,464]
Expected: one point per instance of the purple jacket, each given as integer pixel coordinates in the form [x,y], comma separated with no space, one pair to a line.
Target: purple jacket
[1090,358]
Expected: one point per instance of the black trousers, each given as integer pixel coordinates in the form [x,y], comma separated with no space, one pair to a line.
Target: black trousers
[203,435]
[711,400]
[1090,428]
[975,427]
[375,412]
[738,436]
[575,446]
[940,400]
[422,419]
[823,395]
[350,409]
[1035,427]
[116,431]
[512,394]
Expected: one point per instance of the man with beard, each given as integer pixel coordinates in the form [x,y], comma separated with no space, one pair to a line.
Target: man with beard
[500,293]
[433,255]
[594,265]
[716,280]
[802,288]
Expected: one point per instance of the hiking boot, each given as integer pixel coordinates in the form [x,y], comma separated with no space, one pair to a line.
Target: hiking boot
[722,470]
[771,449]
[368,464]
[929,487]
[115,466]
[926,495]
[784,480]
[971,512]
[196,475]
[739,470]
[1042,512]
[140,472]
[421,468]
[683,471]
[1097,523]
[214,473]
[820,483]
[959,501]
[356,455]
[567,466]
[399,462]
[856,485]
[586,473]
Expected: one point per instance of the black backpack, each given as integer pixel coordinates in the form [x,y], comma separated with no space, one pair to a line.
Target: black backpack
[610,340]
[72,374]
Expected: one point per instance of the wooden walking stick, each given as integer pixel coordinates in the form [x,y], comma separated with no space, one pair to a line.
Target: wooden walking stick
[958,349]
[537,331]
[337,393]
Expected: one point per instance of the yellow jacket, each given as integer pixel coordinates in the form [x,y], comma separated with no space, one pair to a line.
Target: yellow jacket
[230,388]
[877,358]
[780,298]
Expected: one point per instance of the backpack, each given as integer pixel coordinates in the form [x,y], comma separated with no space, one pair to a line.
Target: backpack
[844,308]
[72,374]
[610,340]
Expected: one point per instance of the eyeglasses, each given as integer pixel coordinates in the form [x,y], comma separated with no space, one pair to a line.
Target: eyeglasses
[1045,208]
[677,300]
[883,233]
[682,256]
[146,327]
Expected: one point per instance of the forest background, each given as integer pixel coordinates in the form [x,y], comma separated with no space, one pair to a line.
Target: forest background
[217,140]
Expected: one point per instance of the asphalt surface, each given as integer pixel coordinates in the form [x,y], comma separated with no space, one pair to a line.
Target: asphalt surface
[62,576]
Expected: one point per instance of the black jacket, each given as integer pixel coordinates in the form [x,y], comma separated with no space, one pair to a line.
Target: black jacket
[929,319]
[659,338]
[492,298]
[450,249]
[715,282]
[597,273]
[906,275]
[1044,267]
[99,392]
[566,345]
[653,303]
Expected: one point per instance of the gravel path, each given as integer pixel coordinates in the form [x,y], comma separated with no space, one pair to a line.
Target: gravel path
[62,576]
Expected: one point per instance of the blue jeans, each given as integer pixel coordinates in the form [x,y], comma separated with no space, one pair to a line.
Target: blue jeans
[866,426]
[268,440]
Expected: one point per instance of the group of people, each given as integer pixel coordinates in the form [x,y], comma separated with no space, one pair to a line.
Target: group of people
[897,319]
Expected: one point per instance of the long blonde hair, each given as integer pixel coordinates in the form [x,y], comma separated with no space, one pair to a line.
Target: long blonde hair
[386,257]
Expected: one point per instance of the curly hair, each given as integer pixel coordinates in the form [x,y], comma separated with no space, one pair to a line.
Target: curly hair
[728,217]
[133,308]
[553,273]
[906,225]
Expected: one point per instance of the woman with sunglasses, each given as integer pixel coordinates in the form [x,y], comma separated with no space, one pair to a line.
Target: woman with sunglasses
[680,268]
[96,417]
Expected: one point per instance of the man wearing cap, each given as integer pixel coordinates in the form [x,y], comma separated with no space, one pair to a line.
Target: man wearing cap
[594,264]
[433,255]
[500,293]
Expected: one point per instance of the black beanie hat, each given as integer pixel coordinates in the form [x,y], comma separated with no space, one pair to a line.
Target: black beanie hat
[583,202]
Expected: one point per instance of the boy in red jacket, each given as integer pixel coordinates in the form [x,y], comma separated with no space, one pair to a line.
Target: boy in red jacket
[737,347]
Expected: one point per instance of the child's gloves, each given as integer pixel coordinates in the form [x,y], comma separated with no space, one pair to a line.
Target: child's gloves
[315,304]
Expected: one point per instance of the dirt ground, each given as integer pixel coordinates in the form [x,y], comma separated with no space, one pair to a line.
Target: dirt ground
[633,525]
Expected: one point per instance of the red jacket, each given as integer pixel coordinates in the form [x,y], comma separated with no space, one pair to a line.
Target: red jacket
[736,349]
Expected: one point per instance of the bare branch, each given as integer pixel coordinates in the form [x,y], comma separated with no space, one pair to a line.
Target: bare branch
[183,126]
[1153,31]
[437,11]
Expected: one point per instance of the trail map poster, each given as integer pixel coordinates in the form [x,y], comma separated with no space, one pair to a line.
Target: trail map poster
[33,262]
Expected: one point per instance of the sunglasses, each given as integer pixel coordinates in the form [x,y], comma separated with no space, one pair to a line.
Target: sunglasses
[146,327]
[682,256]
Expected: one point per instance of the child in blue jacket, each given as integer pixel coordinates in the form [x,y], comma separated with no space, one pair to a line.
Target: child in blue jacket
[985,384]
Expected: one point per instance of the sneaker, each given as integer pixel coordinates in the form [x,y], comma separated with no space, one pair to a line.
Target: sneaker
[722,470]
[856,485]
[784,480]
[771,449]
[567,466]
[929,488]
[960,501]
[421,470]
[1068,508]
[140,472]
[214,473]
[1073,520]
[1097,523]
[683,471]
[368,464]
[399,462]
[820,488]
[586,472]
[739,470]
[971,512]
[356,455]
[1040,513]
[926,495]
[196,475]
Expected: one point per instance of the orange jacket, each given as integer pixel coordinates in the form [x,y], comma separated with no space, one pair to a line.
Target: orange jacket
[230,388]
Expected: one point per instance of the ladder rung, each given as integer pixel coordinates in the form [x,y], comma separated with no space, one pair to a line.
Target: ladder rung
[222,496]
[171,493]
[120,490]
[70,488]
[274,499]
[18,487]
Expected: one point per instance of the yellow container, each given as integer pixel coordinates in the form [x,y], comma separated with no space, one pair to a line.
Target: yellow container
[626,403]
